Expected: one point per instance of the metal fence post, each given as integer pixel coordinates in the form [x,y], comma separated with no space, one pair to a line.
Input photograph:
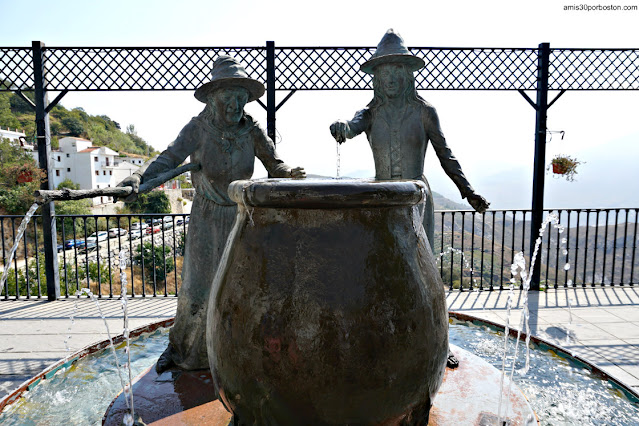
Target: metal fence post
[270,90]
[44,155]
[540,156]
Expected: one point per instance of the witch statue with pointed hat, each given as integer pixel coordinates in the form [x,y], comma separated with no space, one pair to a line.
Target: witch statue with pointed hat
[399,124]
[224,140]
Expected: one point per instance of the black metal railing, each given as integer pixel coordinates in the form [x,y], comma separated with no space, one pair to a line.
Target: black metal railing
[589,247]
[88,255]
[473,251]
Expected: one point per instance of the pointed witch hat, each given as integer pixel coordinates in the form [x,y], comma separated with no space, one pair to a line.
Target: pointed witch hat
[392,49]
[228,72]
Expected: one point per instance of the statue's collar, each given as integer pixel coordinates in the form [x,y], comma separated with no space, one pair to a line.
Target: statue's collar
[393,115]
[245,125]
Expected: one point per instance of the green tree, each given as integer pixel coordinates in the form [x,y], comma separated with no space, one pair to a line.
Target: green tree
[74,125]
[19,106]
[153,202]
[100,129]
[160,255]
[19,178]
[7,118]
[72,207]
[68,183]
[36,270]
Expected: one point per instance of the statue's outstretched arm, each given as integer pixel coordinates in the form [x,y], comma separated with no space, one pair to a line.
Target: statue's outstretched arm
[344,129]
[450,164]
[265,152]
[170,158]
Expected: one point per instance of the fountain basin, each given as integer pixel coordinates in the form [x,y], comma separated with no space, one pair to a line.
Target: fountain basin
[468,395]
[554,383]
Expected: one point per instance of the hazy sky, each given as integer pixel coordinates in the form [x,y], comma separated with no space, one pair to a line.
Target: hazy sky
[491,133]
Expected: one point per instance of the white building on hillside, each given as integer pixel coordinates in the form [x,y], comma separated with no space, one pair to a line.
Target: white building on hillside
[134,159]
[86,165]
[123,170]
[12,135]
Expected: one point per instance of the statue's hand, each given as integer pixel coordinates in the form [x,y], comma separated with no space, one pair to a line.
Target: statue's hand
[297,173]
[134,182]
[478,202]
[338,130]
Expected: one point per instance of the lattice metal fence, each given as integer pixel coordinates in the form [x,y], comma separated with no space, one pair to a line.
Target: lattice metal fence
[593,69]
[16,69]
[142,69]
[304,68]
[446,69]
[82,69]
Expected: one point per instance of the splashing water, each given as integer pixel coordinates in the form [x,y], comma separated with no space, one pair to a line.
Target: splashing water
[338,160]
[21,229]
[453,251]
[519,269]
[129,417]
[519,265]
[125,387]
[249,211]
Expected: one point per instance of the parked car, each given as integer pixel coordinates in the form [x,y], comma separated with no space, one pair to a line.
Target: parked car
[114,232]
[167,222]
[98,237]
[135,234]
[139,226]
[90,245]
[154,221]
[153,229]
[69,244]
[60,247]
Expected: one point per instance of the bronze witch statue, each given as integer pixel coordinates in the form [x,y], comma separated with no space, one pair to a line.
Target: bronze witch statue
[224,140]
[399,124]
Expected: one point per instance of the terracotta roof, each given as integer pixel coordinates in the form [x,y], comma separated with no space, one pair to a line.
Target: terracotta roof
[89,149]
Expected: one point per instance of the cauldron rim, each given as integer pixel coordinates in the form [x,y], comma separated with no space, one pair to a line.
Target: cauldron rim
[327,193]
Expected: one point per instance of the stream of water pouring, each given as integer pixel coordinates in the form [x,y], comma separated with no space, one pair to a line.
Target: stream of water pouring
[338,160]
[126,388]
[129,418]
[21,229]
[519,268]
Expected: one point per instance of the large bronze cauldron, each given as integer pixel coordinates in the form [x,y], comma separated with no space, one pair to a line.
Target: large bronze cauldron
[327,307]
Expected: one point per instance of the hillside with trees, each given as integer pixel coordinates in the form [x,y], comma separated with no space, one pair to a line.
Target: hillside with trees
[20,175]
[15,113]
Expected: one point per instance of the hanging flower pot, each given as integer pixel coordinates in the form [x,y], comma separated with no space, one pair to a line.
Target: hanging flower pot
[559,169]
[565,166]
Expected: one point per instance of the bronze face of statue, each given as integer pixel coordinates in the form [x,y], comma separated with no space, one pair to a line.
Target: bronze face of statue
[228,105]
[399,125]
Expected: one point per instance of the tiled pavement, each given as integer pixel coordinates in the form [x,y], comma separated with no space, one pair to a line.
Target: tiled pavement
[601,325]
